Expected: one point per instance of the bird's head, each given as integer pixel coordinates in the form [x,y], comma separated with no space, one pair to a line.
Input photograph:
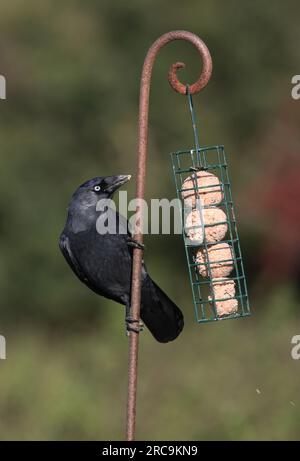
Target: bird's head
[93,190]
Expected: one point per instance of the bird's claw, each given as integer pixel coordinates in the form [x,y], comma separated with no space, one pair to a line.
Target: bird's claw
[136,329]
[134,244]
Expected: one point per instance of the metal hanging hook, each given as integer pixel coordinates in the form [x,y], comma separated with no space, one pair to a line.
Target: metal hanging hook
[140,188]
[206,59]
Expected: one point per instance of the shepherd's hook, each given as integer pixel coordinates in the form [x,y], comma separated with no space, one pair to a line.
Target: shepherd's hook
[140,188]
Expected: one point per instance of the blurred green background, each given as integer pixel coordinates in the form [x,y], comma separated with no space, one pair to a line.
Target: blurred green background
[72,71]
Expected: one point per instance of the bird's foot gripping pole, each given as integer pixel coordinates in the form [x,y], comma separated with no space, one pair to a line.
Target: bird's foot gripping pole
[130,325]
[135,244]
[140,189]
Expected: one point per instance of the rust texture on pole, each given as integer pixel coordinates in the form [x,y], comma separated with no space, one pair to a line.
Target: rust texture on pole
[140,188]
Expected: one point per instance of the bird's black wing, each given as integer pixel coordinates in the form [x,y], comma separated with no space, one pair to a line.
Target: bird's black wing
[86,276]
[64,245]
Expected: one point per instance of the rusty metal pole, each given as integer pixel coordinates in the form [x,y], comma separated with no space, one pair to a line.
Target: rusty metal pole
[140,189]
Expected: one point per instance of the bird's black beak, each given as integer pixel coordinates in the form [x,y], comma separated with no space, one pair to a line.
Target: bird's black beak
[114,182]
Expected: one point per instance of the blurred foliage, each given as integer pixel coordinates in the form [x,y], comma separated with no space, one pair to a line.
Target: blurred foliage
[72,71]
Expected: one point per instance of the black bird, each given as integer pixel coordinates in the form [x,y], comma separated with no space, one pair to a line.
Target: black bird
[103,261]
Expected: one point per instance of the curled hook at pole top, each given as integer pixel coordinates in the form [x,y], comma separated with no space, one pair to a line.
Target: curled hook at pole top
[206,69]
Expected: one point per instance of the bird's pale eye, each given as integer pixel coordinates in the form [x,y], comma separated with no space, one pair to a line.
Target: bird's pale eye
[97,188]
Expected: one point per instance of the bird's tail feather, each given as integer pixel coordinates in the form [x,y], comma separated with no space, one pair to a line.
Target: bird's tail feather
[161,316]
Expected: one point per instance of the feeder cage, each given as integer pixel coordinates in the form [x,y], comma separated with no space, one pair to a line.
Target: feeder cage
[210,231]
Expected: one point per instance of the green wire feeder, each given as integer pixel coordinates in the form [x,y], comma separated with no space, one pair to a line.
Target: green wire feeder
[210,232]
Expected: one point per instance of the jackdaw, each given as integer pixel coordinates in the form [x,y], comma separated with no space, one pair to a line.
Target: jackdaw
[103,260]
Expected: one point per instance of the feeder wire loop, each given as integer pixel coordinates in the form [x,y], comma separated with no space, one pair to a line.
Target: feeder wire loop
[193,117]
